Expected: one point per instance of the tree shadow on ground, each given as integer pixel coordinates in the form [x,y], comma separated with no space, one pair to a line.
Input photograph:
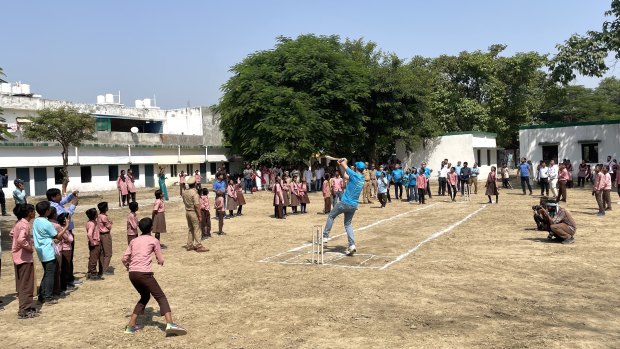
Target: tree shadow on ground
[7,299]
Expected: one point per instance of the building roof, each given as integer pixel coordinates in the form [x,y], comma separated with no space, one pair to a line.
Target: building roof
[569,124]
[475,133]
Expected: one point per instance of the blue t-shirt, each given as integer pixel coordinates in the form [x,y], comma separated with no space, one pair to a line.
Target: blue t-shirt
[354,188]
[378,173]
[412,180]
[406,180]
[525,169]
[42,233]
[457,169]
[219,186]
[397,174]
[427,173]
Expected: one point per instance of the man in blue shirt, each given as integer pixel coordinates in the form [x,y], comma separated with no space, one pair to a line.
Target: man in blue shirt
[43,233]
[220,183]
[524,172]
[397,176]
[348,203]
[457,169]
[54,196]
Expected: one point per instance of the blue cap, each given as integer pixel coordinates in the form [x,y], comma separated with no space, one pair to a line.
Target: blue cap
[360,165]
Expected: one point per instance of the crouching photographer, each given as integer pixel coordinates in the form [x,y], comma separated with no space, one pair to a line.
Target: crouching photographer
[556,220]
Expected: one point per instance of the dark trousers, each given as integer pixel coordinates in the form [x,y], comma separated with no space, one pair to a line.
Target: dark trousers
[398,190]
[428,190]
[442,186]
[2,201]
[132,196]
[389,197]
[220,219]
[93,258]
[328,205]
[562,191]
[124,199]
[544,186]
[525,180]
[146,285]
[247,185]
[421,193]
[205,223]
[106,252]
[47,281]
[57,290]
[65,262]
[382,199]
[278,211]
[452,191]
[24,285]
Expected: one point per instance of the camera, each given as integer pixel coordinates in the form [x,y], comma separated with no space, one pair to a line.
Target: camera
[536,207]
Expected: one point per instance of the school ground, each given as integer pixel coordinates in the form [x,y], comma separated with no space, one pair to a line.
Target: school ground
[444,275]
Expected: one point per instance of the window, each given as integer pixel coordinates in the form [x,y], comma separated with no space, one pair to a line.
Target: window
[478,157]
[173,170]
[58,175]
[113,173]
[86,174]
[488,157]
[190,168]
[213,168]
[550,152]
[136,171]
[589,152]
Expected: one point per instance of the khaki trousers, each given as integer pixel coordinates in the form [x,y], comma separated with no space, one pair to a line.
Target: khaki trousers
[193,225]
[366,192]
[24,285]
[106,251]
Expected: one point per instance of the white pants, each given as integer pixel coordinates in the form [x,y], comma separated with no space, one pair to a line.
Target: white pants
[553,184]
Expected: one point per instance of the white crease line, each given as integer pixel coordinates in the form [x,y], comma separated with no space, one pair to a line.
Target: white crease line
[327,265]
[434,236]
[301,247]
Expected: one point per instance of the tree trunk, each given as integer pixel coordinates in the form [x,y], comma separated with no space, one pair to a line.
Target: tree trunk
[65,168]
[373,153]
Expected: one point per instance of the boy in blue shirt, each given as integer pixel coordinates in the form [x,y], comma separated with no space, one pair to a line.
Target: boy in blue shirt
[413,190]
[348,203]
[44,234]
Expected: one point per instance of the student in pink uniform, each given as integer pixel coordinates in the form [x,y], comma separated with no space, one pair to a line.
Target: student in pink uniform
[278,199]
[159,216]
[597,190]
[240,197]
[231,198]
[94,244]
[198,179]
[182,176]
[337,188]
[104,224]
[607,189]
[131,186]
[22,250]
[452,179]
[137,259]
[132,222]
[66,253]
[327,193]
[205,209]
[302,190]
[121,184]
[421,181]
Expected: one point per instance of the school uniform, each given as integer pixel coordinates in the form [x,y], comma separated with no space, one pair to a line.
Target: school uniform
[159,221]
[231,196]
[104,225]
[22,250]
[219,211]
[57,249]
[563,178]
[607,192]
[286,193]
[121,184]
[137,259]
[240,197]
[198,179]
[94,247]
[382,188]
[491,185]
[452,180]
[422,182]
[132,226]
[294,194]
[42,233]
[302,191]
[327,196]
[131,188]
[337,190]
[181,183]
[278,200]
[205,210]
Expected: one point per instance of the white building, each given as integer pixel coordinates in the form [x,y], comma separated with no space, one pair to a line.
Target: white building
[591,141]
[185,139]
[470,147]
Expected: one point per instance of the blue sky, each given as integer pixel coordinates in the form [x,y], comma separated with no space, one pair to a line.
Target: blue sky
[181,51]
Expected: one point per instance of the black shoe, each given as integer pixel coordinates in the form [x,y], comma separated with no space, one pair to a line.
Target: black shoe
[568,241]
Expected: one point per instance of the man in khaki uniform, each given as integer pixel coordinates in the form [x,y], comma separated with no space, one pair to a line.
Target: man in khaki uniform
[373,181]
[366,195]
[191,200]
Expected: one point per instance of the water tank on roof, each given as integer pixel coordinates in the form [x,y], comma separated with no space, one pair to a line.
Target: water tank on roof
[16,89]
[139,103]
[5,88]
[25,89]
[147,102]
[100,99]
[109,98]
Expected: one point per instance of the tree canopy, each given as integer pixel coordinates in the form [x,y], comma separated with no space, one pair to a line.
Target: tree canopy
[65,125]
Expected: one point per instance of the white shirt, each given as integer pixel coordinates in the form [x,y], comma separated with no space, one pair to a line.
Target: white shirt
[543,172]
[308,176]
[553,172]
[443,173]
[610,164]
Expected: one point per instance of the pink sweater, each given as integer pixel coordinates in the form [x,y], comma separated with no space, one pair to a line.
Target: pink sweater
[92,233]
[204,203]
[139,253]
[563,177]
[132,224]
[104,224]
[23,246]
[159,206]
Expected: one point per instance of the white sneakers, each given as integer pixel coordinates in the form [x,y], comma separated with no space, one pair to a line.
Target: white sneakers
[351,250]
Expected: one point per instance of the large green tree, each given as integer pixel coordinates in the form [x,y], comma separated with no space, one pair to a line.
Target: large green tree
[586,54]
[297,99]
[65,125]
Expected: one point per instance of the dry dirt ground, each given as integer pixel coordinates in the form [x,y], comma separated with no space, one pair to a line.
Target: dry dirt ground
[488,280]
